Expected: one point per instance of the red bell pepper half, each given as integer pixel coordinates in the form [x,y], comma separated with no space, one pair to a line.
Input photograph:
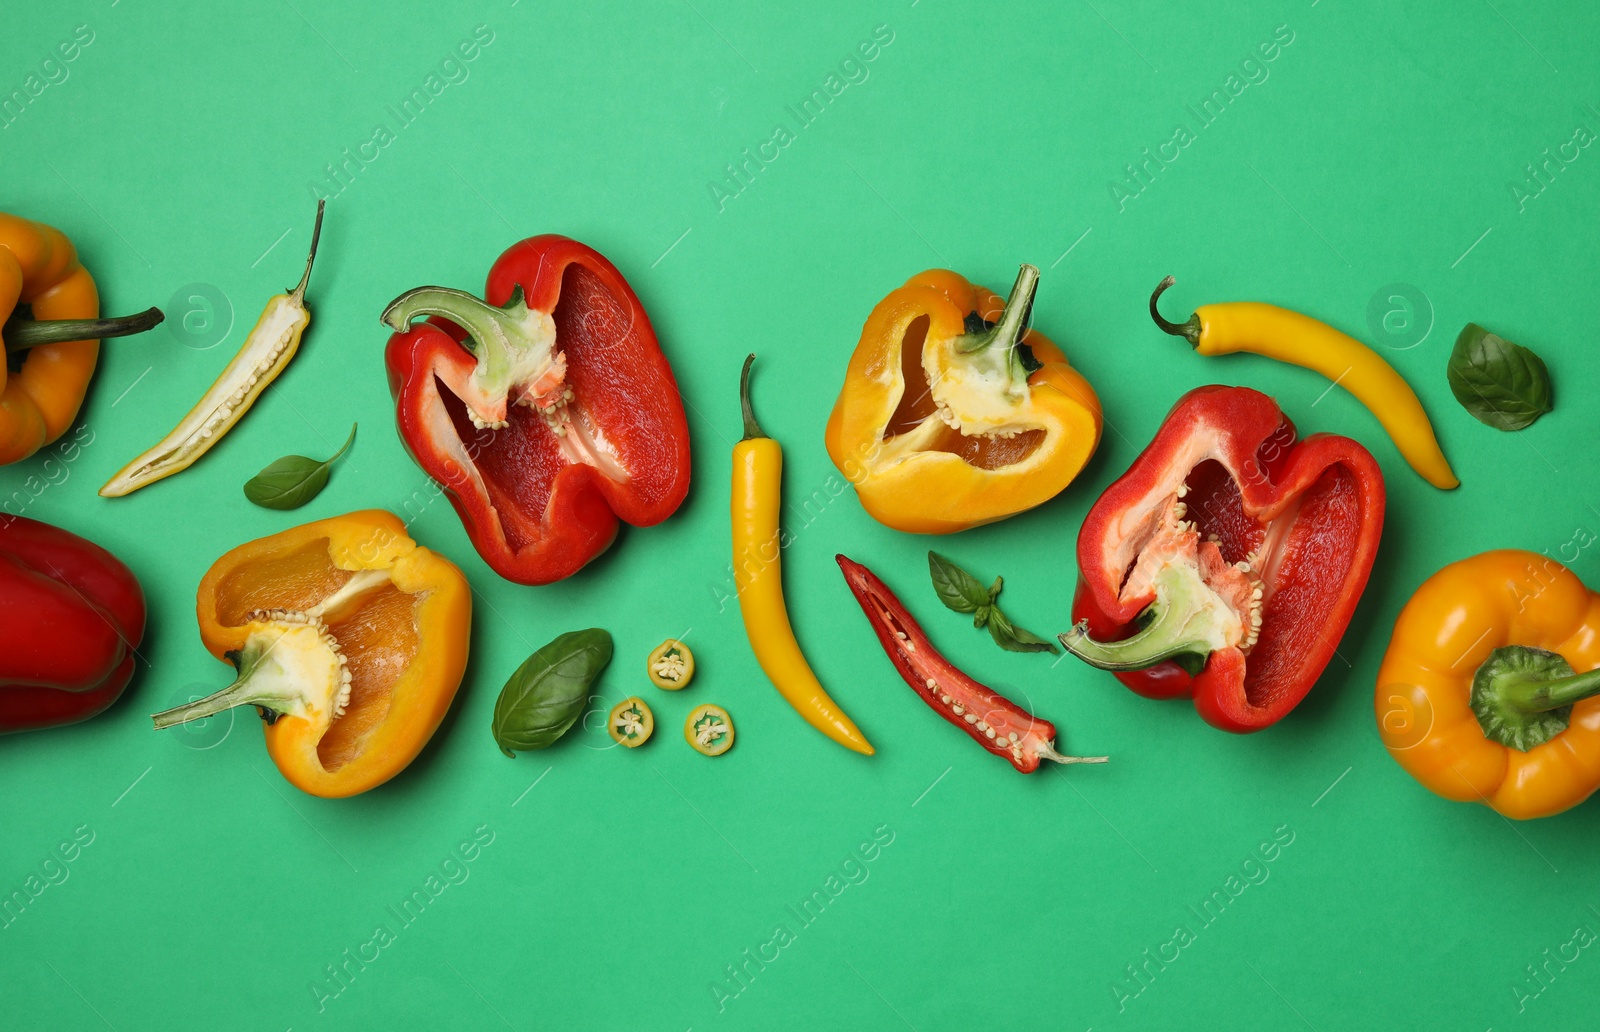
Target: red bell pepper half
[1226,563]
[547,413]
[71,616]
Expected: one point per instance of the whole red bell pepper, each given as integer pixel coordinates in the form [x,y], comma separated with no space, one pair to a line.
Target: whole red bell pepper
[71,618]
[1227,561]
[547,413]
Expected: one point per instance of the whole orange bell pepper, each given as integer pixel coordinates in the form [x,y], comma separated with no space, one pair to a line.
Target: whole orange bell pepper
[349,638]
[954,413]
[60,345]
[1488,691]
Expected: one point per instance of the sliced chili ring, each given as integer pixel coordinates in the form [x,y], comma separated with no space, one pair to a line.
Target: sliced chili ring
[631,723]
[671,665]
[709,730]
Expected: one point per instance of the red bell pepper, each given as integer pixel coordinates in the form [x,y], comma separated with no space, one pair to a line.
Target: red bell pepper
[71,618]
[547,413]
[1226,563]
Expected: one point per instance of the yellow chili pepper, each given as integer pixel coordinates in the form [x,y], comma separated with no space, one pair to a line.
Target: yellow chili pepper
[758,574]
[1490,690]
[671,665]
[709,730]
[265,353]
[1286,336]
[631,723]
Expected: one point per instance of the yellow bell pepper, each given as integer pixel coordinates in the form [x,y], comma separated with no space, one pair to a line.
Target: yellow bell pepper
[954,413]
[349,638]
[1487,693]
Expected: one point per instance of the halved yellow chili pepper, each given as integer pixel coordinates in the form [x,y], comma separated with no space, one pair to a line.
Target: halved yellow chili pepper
[631,723]
[1477,696]
[709,730]
[265,353]
[758,574]
[671,665]
[1287,336]
[349,638]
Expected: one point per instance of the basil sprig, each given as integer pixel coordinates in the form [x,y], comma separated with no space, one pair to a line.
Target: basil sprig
[964,593]
[293,480]
[549,691]
[1500,383]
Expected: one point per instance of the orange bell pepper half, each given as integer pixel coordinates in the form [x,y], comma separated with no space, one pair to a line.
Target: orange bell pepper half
[349,638]
[1488,691]
[954,413]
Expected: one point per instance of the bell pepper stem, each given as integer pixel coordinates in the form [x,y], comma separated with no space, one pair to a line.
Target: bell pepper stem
[1189,329]
[1523,696]
[1014,318]
[752,429]
[289,669]
[1186,623]
[1543,696]
[22,334]
[239,693]
[513,343]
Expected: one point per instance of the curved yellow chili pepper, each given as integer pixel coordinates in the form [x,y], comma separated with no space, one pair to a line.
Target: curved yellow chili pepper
[1300,340]
[758,573]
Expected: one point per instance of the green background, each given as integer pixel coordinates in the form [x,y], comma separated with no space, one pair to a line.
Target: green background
[1381,148]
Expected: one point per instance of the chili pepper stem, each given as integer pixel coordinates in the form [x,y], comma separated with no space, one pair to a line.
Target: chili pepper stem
[1189,329]
[22,334]
[1047,751]
[752,429]
[299,293]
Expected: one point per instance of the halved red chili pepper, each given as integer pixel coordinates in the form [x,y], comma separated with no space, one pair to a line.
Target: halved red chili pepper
[992,720]
[1227,561]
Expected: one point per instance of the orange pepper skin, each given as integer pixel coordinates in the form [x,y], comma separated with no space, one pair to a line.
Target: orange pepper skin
[909,480]
[1458,616]
[406,644]
[39,267]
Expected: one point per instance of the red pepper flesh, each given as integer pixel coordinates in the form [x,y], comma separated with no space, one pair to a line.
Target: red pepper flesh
[71,618]
[1296,522]
[990,719]
[541,496]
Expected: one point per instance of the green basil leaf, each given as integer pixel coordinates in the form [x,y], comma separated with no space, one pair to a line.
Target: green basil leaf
[958,589]
[293,480]
[549,691]
[1016,639]
[981,615]
[1500,383]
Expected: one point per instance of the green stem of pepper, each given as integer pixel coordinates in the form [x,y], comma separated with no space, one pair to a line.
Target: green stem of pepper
[22,334]
[1189,329]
